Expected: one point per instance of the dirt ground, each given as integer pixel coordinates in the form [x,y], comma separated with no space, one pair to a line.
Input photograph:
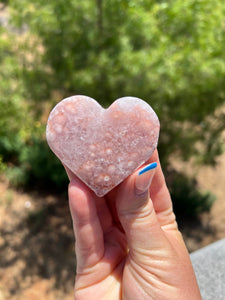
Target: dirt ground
[37,245]
[210,226]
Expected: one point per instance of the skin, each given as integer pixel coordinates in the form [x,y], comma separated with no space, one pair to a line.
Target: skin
[128,245]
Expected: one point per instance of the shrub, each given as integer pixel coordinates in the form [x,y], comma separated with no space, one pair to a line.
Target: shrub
[187,199]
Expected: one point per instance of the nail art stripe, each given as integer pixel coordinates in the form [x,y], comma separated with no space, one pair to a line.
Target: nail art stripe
[148,168]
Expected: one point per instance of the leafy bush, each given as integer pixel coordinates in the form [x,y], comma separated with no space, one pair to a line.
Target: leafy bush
[170,54]
[187,200]
[42,166]
[37,166]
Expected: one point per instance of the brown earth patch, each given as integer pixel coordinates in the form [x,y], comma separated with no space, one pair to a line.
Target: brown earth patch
[37,244]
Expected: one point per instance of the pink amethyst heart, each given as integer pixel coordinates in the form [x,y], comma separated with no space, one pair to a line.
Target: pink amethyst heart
[102,146]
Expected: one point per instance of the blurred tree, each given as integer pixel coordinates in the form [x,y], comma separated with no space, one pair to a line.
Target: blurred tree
[169,53]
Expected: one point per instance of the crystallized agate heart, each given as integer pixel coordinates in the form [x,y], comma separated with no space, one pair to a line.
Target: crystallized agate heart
[102,146]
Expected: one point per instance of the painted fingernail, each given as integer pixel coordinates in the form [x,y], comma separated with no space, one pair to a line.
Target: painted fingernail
[144,178]
[148,168]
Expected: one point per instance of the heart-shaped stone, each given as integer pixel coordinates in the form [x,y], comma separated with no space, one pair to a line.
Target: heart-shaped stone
[102,146]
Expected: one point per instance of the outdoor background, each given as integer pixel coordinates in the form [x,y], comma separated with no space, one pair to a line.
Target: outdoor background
[169,53]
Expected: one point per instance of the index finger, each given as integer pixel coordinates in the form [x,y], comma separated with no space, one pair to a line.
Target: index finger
[160,195]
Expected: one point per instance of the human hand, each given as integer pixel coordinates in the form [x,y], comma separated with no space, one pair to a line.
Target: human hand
[128,245]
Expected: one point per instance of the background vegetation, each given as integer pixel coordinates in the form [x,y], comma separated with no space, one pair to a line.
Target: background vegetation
[169,53]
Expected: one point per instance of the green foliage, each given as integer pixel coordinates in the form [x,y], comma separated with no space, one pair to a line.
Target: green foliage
[2,165]
[42,165]
[25,157]
[187,200]
[169,53]
[37,165]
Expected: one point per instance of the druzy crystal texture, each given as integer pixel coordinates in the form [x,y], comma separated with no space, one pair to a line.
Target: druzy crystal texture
[102,146]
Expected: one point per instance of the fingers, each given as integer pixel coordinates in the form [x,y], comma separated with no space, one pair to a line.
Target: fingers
[100,246]
[87,227]
[159,192]
[102,208]
[137,214]
[161,197]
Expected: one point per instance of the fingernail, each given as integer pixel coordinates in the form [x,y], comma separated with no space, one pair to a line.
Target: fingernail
[69,173]
[144,178]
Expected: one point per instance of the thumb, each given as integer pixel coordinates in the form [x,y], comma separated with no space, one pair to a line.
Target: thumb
[137,215]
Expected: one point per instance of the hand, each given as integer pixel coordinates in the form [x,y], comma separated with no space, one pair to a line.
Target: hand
[128,245]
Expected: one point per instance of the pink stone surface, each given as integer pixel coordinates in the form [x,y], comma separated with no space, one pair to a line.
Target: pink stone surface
[102,146]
